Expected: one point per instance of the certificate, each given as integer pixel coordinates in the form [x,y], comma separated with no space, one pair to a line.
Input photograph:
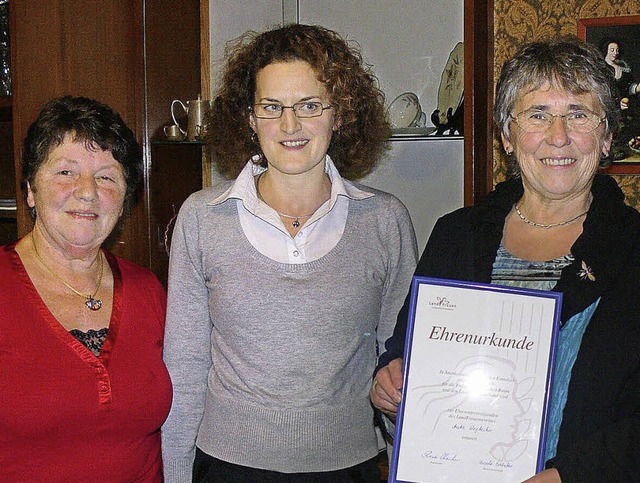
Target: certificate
[477,377]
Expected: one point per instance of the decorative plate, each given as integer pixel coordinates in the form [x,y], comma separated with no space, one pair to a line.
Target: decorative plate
[451,91]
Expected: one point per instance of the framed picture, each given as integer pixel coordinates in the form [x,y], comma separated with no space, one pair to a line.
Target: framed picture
[617,39]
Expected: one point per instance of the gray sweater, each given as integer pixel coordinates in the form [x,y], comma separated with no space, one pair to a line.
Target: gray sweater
[271,363]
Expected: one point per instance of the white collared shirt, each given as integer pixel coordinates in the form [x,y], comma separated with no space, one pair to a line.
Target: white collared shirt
[265,230]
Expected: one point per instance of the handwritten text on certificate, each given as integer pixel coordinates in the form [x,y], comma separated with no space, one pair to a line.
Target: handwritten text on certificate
[477,375]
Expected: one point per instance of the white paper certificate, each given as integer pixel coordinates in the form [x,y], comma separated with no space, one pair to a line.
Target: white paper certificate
[477,372]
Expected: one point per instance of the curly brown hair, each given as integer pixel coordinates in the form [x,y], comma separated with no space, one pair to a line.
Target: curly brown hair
[355,147]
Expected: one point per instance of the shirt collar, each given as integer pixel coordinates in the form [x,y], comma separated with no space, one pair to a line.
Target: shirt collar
[244,187]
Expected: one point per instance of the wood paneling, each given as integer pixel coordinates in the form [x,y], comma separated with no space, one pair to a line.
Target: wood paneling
[173,72]
[478,99]
[8,225]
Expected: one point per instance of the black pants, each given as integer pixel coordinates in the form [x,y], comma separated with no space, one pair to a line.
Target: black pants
[207,469]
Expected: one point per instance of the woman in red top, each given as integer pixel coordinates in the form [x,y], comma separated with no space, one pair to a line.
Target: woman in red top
[83,387]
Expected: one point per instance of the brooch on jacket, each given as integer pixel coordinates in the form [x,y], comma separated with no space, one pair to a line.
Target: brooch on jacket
[586,273]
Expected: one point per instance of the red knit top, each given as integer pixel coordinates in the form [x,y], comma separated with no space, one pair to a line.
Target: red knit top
[65,414]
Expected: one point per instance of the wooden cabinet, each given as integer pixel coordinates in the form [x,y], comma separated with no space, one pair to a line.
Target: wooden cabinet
[176,172]
[478,100]
[134,55]
[8,218]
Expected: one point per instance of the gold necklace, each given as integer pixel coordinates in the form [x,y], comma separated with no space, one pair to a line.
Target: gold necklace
[542,225]
[92,303]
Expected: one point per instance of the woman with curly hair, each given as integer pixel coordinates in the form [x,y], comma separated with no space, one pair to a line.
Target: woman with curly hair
[284,280]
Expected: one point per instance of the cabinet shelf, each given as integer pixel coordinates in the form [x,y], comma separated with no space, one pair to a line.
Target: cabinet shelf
[177,143]
[8,208]
[431,137]
[419,133]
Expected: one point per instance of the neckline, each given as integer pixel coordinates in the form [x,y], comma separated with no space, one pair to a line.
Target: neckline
[297,267]
[36,301]
[535,224]
[567,257]
[296,218]
[605,251]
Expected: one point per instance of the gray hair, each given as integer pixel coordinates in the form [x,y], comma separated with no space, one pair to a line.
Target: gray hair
[567,63]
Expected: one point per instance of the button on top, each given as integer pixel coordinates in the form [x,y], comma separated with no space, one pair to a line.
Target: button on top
[296,253]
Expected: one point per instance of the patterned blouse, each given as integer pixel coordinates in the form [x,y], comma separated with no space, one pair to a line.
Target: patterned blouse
[512,271]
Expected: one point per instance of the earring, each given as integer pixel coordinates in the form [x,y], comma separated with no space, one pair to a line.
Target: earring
[256,158]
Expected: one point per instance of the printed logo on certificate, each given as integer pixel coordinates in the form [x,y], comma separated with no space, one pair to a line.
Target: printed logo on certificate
[477,377]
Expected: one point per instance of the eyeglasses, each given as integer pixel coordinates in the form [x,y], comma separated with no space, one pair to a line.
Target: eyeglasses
[536,121]
[265,110]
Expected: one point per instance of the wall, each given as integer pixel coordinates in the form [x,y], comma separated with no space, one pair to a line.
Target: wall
[407,43]
[518,21]
[427,176]
[228,19]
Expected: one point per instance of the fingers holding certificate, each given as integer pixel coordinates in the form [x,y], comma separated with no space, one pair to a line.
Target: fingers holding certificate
[386,390]
[477,377]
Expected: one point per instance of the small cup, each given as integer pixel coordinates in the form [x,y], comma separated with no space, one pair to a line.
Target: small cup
[201,132]
[173,132]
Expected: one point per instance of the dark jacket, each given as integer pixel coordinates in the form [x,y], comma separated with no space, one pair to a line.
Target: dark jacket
[600,432]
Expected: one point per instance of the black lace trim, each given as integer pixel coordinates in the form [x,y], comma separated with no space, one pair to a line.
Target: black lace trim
[92,339]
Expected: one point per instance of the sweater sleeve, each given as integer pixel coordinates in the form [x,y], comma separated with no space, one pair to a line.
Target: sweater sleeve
[187,350]
[402,249]
[435,250]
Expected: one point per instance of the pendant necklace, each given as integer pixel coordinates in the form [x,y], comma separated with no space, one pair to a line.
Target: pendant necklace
[92,303]
[296,219]
[542,225]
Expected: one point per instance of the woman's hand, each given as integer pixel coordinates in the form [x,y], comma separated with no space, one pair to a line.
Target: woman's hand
[546,476]
[386,388]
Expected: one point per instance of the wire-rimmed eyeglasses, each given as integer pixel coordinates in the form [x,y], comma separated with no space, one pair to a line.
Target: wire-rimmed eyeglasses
[537,121]
[268,110]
